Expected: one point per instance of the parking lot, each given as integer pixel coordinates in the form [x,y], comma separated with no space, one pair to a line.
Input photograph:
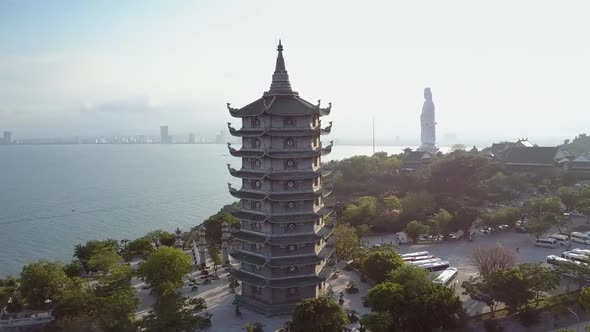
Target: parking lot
[458,251]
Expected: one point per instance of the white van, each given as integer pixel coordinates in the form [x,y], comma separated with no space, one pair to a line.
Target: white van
[563,240]
[580,237]
[547,243]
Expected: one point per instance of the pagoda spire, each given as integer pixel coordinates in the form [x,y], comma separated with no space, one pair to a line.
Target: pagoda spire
[280,78]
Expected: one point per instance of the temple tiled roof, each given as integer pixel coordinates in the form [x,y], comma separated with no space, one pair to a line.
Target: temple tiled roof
[279,175]
[536,155]
[285,218]
[255,153]
[249,237]
[275,283]
[246,257]
[279,132]
[279,196]
[324,233]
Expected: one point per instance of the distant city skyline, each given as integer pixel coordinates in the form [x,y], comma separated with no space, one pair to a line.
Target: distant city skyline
[498,70]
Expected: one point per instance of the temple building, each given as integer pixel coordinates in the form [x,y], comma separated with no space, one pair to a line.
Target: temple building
[283,244]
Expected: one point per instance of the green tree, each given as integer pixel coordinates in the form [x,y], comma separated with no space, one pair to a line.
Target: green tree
[116,301]
[418,205]
[9,292]
[85,251]
[347,242]
[414,229]
[392,202]
[214,223]
[215,256]
[362,230]
[414,302]
[569,197]
[584,298]
[164,269]
[138,247]
[74,269]
[167,239]
[464,219]
[318,315]
[440,221]
[539,226]
[379,263]
[42,281]
[510,287]
[540,279]
[76,301]
[479,289]
[170,314]
[362,211]
[377,321]
[103,260]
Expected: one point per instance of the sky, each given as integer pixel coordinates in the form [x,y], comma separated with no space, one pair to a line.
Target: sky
[497,69]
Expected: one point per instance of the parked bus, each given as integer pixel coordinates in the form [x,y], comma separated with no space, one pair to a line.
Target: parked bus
[426,261]
[435,266]
[415,254]
[556,260]
[447,277]
[563,240]
[581,251]
[576,257]
[417,258]
[580,237]
[547,243]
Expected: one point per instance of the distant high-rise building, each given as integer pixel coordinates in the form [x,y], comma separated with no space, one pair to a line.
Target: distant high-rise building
[164,137]
[191,138]
[7,137]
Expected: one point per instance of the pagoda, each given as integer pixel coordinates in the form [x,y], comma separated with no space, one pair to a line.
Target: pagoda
[283,242]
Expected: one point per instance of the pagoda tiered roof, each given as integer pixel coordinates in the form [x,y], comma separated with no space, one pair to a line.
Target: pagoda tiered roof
[284,105]
[282,218]
[247,257]
[279,132]
[279,175]
[279,196]
[259,281]
[280,154]
[251,237]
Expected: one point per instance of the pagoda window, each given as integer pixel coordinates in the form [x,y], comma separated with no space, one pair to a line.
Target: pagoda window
[290,163]
[315,120]
[292,292]
[290,185]
[256,246]
[256,142]
[256,290]
[255,205]
[256,184]
[255,163]
[317,201]
[290,143]
[290,227]
[316,181]
[290,205]
[289,122]
[316,161]
[255,123]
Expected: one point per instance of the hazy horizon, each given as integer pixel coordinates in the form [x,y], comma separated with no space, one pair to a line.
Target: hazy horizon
[498,71]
